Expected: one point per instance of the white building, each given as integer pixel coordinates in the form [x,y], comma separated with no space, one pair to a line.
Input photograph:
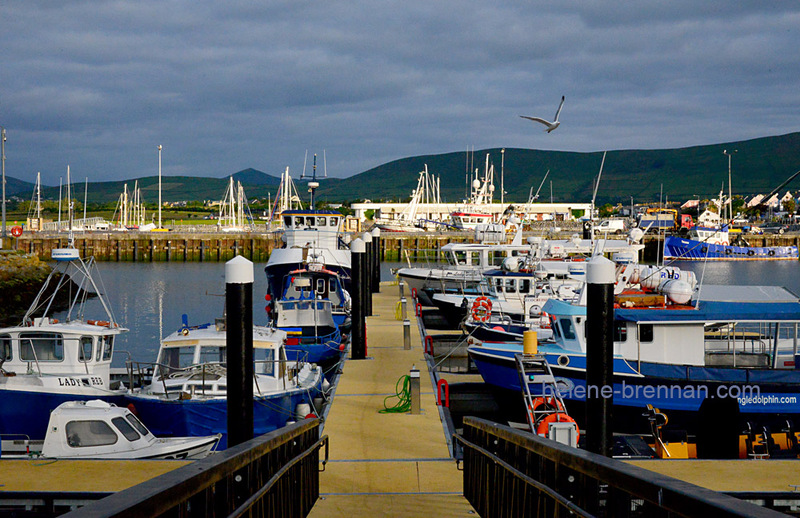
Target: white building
[441,211]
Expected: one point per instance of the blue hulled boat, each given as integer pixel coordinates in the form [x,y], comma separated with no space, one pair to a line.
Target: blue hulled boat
[716,244]
[728,355]
[188,392]
[312,309]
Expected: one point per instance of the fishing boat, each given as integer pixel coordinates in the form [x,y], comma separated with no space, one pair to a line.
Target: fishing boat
[309,233]
[96,429]
[313,308]
[46,361]
[715,244]
[517,291]
[187,395]
[717,360]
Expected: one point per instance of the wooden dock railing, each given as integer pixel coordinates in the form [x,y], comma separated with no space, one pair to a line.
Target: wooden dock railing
[508,472]
[276,474]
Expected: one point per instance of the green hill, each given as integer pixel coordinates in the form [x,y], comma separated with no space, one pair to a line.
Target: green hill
[759,165]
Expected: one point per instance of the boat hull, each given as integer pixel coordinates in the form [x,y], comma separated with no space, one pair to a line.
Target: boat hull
[685,394]
[201,417]
[692,250]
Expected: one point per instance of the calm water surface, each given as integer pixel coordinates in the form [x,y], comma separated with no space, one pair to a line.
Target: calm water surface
[149,298]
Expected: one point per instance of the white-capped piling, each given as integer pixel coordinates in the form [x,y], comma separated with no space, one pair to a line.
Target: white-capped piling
[358,346]
[376,260]
[239,344]
[367,273]
[599,355]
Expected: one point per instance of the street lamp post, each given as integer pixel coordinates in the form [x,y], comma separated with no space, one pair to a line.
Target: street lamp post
[159,186]
[3,160]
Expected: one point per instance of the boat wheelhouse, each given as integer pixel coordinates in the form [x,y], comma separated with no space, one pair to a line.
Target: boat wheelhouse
[309,233]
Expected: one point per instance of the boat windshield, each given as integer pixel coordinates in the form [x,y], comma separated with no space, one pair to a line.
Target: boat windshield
[41,346]
[82,434]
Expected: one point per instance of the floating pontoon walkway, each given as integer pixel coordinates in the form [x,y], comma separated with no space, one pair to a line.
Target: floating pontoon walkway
[391,464]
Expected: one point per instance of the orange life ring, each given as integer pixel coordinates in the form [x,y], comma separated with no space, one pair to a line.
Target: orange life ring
[544,320]
[724,243]
[482,309]
[558,417]
[101,323]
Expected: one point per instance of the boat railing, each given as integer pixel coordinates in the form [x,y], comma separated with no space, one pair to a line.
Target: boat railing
[757,344]
[210,371]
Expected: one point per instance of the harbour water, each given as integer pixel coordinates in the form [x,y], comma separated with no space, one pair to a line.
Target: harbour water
[149,298]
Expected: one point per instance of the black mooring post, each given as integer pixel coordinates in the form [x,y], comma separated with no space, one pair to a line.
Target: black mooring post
[239,344]
[599,355]
[358,350]
[367,266]
[376,260]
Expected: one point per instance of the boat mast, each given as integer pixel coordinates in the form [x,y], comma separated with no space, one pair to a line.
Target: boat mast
[69,209]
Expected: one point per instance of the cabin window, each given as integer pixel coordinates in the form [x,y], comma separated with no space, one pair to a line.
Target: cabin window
[525,286]
[212,354]
[310,221]
[126,428]
[287,221]
[85,352]
[82,434]
[5,347]
[335,222]
[511,286]
[141,428]
[264,361]
[107,345]
[321,286]
[645,332]
[498,284]
[461,257]
[321,221]
[475,258]
[567,329]
[43,347]
[176,357]
[620,332]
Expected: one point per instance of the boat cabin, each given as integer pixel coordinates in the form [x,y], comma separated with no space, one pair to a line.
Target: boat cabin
[316,228]
[740,327]
[47,347]
[97,429]
[193,360]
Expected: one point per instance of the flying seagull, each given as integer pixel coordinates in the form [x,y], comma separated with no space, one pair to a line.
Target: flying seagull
[550,125]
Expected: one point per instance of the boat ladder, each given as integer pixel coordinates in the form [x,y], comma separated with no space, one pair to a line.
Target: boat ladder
[539,389]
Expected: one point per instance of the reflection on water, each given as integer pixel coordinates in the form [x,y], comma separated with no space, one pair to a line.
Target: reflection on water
[149,298]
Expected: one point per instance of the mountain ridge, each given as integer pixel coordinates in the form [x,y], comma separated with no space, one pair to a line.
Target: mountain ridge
[647,175]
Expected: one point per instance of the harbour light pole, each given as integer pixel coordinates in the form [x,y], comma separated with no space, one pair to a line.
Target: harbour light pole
[159,186]
[3,160]
[730,192]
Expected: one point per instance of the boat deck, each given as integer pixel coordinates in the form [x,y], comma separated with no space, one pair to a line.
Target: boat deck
[393,464]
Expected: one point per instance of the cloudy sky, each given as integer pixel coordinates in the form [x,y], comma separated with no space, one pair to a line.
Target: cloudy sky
[228,85]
